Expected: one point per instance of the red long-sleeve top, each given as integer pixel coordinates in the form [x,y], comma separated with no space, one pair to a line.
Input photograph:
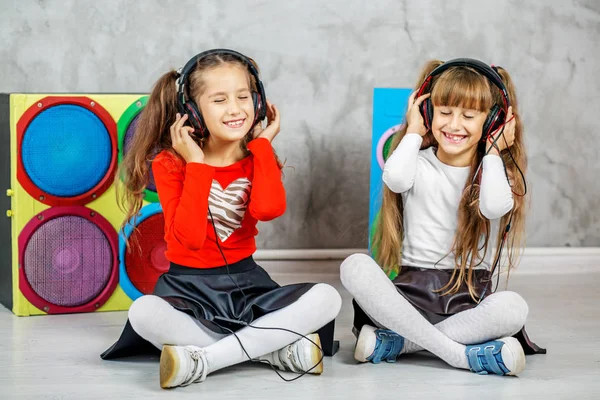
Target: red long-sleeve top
[238,195]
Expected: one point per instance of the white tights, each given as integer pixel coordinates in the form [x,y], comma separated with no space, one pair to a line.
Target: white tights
[499,315]
[159,323]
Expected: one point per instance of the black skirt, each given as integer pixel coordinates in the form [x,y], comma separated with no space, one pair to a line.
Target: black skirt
[217,297]
[420,287]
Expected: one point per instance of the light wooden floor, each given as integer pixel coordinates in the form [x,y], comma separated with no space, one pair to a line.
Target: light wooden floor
[57,357]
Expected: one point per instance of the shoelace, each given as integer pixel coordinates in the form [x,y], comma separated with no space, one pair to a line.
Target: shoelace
[197,375]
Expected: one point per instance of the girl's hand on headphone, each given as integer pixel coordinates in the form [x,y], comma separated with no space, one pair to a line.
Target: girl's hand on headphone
[414,119]
[272,128]
[508,136]
[183,143]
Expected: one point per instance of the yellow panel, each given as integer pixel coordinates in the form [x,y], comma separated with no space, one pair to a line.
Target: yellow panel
[25,207]
[118,301]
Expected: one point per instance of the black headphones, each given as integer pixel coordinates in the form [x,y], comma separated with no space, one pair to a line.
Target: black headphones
[497,113]
[187,106]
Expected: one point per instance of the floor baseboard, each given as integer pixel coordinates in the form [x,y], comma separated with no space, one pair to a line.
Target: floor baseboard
[534,260]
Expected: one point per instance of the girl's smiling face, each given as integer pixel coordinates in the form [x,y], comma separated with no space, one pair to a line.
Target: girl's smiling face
[457,131]
[226,103]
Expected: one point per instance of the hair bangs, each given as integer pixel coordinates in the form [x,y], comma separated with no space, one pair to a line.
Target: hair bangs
[462,87]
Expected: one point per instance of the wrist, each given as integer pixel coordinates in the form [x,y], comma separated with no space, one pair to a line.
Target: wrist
[196,159]
[492,150]
[416,129]
[268,138]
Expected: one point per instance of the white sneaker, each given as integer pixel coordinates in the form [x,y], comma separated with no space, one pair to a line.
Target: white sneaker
[300,356]
[182,366]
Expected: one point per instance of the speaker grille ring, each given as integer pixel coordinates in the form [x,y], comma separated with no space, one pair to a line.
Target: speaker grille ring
[66,150]
[127,142]
[144,261]
[384,144]
[68,260]
[127,126]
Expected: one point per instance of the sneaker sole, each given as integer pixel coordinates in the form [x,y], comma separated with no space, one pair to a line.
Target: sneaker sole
[169,366]
[513,351]
[315,354]
[364,343]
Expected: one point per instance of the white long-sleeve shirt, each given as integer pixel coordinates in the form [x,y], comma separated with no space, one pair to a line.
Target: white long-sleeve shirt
[431,192]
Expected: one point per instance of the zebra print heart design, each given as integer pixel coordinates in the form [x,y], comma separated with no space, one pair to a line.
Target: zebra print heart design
[228,205]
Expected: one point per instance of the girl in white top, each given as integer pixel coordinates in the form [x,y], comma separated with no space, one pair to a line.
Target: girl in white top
[454,197]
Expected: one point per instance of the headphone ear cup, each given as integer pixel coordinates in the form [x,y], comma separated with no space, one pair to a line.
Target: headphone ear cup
[260,107]
[493,121]
[256,103]
[427,112]
[195,118]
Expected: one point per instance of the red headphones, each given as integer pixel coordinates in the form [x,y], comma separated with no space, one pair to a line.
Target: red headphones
[497,113]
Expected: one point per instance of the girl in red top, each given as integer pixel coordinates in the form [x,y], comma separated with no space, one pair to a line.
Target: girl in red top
[216,175]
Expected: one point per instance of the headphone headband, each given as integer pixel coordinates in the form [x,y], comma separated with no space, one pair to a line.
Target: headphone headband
[191,64]
[489,72]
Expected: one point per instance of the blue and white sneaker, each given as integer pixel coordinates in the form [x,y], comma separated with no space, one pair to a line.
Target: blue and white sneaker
[501,357]
[376,345]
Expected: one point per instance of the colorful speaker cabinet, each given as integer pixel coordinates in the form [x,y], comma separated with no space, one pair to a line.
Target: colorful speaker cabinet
[389,109]
[59,241]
